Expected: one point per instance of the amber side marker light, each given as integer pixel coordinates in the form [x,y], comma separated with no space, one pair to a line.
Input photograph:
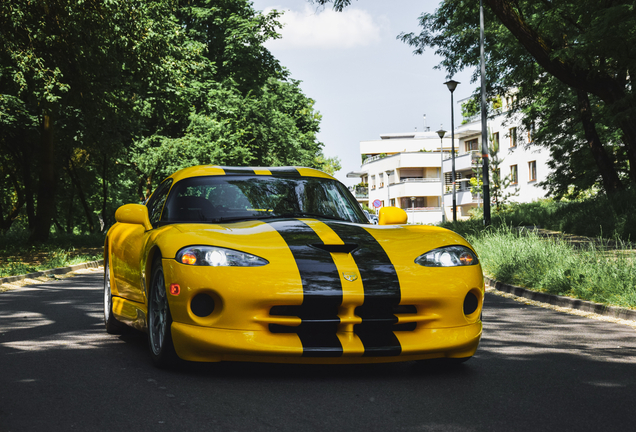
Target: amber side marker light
[175,289]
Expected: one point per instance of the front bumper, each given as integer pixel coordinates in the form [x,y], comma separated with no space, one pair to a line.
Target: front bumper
[204,344]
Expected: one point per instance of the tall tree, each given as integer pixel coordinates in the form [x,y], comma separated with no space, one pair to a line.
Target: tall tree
[99,100]
[242,109]
[71,71]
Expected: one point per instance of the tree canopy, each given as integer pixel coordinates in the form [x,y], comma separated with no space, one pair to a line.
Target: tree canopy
[99,101]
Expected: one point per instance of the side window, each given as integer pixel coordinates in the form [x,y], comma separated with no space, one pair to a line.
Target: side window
[157,200]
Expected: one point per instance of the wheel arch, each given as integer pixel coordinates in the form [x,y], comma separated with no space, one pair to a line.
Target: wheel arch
[153,253]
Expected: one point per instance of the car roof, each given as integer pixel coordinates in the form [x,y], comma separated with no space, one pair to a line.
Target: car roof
[214,170]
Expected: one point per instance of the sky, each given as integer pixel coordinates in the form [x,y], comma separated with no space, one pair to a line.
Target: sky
[365,81]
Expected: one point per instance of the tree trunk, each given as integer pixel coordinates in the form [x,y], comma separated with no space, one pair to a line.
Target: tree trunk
[6,222]
[46,184]
[87,211]
[611,181]
[23,152]
[105,220]
[69,218]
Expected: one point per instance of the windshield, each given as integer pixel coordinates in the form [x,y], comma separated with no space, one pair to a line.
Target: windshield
[225,198]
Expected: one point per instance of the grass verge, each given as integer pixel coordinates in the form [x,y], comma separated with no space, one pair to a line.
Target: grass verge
[592,271]
[18,257]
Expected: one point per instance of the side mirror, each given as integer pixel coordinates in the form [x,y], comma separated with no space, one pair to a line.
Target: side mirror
[392,216]
[133,214]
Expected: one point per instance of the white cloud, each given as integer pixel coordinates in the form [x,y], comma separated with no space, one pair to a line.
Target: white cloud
[326,29]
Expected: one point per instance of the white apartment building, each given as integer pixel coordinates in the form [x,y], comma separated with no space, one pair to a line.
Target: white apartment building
[403,170]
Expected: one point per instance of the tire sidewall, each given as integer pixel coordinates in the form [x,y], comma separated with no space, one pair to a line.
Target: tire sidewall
[165,355]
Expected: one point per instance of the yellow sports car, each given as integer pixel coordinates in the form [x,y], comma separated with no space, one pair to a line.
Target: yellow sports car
[281,265]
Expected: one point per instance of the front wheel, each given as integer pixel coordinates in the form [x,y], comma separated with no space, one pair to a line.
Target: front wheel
[159,320]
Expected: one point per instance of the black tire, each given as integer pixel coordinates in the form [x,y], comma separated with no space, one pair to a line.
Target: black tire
[113,326]
[159,320]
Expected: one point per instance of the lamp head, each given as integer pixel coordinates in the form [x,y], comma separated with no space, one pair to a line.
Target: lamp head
[452,84]
[441,133]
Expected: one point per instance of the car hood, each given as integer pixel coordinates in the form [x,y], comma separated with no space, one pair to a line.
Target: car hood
[265,238]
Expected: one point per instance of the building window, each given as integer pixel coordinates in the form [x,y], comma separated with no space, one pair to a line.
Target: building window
[532,170]
[495,139]
[407,203]
[513,137]
[472,144]
[392,202]
[514,179]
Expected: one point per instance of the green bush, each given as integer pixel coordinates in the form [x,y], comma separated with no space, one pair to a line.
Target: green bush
[601,216]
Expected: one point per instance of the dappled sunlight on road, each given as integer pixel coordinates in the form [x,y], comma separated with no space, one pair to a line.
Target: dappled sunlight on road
[55,315]
[20,320]
[523,332]
[71,340]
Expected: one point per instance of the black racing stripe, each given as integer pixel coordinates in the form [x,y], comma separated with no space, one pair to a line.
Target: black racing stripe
[238,171]
[284,172]
[381,291]
[322,290]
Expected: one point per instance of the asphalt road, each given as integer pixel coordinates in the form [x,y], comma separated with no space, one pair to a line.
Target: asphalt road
[536,370]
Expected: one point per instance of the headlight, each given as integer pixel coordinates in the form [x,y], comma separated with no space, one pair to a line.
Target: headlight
[216,256]
[448,256]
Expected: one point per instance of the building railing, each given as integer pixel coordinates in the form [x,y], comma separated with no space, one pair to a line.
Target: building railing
[422,209]
[373,158]
[474,156]
[420,180]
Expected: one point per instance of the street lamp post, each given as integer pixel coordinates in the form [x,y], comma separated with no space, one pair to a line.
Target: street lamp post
[484,120]
[441,132]
[451,86]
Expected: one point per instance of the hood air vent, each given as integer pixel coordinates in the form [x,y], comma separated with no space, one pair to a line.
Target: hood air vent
[337,248]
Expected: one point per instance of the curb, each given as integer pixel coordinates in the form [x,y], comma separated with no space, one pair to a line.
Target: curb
[562,301]
[59,270]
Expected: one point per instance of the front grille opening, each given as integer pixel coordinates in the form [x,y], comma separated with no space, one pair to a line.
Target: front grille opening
[404,309]
[279,328]
[285,311]
[375,318]
[404,327]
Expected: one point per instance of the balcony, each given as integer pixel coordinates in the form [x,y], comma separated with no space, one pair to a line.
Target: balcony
[463,162]
[361,192]
[416,187]
[463,194]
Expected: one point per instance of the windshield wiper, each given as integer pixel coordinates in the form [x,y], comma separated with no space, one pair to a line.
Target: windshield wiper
[311,215]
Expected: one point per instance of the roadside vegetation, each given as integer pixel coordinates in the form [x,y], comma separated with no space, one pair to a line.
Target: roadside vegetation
[599,271]
[19,257]
[591,256]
